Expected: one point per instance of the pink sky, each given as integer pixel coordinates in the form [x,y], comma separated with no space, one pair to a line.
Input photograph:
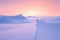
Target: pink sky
[38,7]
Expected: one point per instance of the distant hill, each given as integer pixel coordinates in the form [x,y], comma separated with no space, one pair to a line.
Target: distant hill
[51,18]
[21,17]
[12,19]
[4,19]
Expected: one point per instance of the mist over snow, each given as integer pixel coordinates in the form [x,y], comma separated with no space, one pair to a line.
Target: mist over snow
[20,27]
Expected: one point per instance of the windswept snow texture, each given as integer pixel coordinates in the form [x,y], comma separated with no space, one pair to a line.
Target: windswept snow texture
[48,29]
[37,28]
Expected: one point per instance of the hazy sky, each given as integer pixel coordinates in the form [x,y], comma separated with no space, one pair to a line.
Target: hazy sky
[30,7]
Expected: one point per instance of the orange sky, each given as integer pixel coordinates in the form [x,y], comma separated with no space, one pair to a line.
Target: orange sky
[30,7]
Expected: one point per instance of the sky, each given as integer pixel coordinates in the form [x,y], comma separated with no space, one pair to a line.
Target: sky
[30,7]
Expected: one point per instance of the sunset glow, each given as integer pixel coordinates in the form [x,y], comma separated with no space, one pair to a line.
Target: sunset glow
[31,13]
[30,7]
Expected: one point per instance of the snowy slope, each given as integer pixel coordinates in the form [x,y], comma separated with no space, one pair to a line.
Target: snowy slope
[48,30]
[31,31]
[17,31]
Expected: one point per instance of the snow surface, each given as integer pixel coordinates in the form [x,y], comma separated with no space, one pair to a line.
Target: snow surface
[31,31]
[17,31]
[47,30]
